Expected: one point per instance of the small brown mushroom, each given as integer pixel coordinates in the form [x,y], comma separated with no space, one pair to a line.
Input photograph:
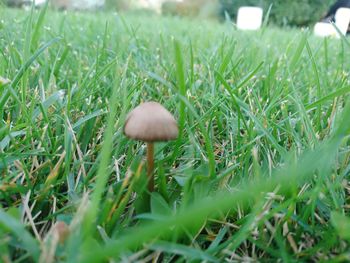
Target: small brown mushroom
[61,229]
[150,122]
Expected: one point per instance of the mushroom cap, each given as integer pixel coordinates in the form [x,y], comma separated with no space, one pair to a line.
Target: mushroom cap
[62,230]
[151,122]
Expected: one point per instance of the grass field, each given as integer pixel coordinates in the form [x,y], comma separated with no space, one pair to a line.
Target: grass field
[260,171]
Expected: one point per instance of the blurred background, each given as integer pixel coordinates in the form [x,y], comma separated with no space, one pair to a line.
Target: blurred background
[282,13]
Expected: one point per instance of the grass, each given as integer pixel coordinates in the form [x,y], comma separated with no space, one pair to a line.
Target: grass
[260,170]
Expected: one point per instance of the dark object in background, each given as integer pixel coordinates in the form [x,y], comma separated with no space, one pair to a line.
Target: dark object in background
[329,17]
[300,13]
[17,3]
[339,4]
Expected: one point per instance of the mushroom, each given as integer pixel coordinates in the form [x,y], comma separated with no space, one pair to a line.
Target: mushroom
[150,122]
[61,229]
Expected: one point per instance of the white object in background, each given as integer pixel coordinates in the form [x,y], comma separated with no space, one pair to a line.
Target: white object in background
[342,19]
[323,29]
[249,18]
[39,2]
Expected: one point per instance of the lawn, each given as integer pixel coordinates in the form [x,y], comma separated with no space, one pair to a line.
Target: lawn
[260,169]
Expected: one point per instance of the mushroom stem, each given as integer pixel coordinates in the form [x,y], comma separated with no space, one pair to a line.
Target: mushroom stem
[150,165]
